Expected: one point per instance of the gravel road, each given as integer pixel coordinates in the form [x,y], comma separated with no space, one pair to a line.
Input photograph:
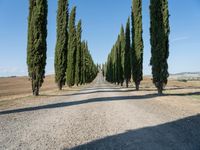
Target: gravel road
[104,117]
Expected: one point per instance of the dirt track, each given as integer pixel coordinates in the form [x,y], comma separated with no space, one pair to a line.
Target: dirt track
[104,117]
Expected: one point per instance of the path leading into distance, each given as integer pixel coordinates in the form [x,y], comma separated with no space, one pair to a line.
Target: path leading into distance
[104,117]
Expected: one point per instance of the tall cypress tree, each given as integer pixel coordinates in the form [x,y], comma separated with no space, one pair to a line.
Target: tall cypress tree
[103,69]
[122,49]
[127,62]
[159,30]
[86,62]
[137,43]
[117,60]
[36,46]
[120,68]
[78,54]
[60,63]
[71,49]
[83,65]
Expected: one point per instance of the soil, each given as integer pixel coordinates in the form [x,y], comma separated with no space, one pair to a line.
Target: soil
[101,116]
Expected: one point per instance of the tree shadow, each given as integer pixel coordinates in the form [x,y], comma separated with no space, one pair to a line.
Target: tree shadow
[101,88]
[80,102]
[121,90]
[92,100]
[182,88]
[90,91]
[100,91]
[177,135]
[183,94]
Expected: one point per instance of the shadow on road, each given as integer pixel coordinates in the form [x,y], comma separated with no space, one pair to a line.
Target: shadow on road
[133,90]
[177,135]
[98,91]
[72,103]
[119,90]
[92,100]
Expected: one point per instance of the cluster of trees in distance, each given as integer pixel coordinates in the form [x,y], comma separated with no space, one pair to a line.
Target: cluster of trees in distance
[73,62]
[126,57]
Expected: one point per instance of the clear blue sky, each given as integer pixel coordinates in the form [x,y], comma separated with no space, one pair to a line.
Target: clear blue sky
[101,24]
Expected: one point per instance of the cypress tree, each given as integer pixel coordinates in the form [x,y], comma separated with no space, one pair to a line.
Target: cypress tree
[118,62]
[137,43]
[71,58]
[78,54]
[87,63]
[103,69]
[36,45]
[117,54]
[60,63]
[115,64]
[122,52]
[159,31]
[120,72]
[83,65]
[127,62]
[109,73]
[90,70]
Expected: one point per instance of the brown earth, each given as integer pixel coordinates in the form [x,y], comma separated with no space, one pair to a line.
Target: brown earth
[17,87]
[103,116]
[20,86]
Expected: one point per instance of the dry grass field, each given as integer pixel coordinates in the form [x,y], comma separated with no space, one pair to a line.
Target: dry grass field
[12,87]
[16,91]
[19,87]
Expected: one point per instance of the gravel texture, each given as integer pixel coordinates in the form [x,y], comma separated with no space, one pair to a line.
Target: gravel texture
[104,117]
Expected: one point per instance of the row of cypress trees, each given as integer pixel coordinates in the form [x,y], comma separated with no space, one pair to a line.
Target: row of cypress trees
[126,57]
[126,53]
[73,61]
[117,69]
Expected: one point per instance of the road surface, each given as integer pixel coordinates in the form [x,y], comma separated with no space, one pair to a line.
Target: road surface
[104,117]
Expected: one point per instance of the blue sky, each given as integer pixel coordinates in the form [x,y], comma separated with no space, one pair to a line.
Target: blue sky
[101,24]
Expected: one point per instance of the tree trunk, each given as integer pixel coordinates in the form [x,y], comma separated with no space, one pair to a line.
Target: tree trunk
[160,90]
[36,91]
[60,86]
[137,87]
[126,83]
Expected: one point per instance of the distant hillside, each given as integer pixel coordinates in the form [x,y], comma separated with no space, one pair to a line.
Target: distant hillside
[189,76]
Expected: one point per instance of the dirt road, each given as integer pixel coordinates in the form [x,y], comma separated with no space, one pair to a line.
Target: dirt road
[103,117]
